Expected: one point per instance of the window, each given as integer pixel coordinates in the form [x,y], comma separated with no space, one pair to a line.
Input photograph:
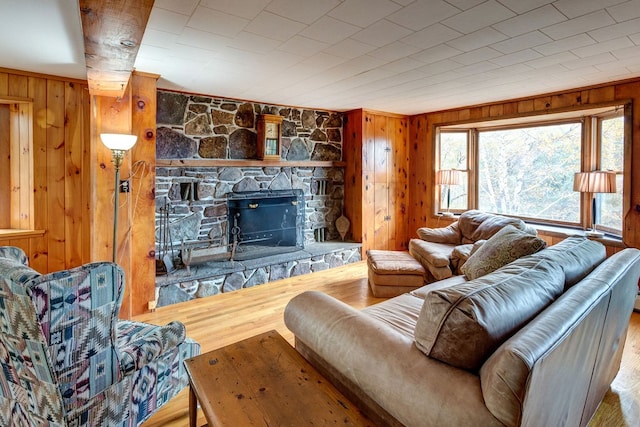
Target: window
[16,165]
[453,155]
[610,150]
[526,169]
[528,172]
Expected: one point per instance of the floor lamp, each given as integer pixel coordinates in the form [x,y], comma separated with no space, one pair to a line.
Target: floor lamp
[592,183]
[119,144]
[447,178]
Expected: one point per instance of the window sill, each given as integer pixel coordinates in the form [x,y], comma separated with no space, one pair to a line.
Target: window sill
[8,233]
[559,231]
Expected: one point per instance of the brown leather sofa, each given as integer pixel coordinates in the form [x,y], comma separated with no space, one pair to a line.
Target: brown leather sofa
[442,251]
[534,343]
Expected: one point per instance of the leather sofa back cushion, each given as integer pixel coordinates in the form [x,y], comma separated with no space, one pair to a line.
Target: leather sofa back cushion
[475,225]
[464,324]
[505,246]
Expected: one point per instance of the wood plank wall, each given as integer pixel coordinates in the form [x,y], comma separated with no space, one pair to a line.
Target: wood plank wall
[422,140]
[74,179]
[60,162]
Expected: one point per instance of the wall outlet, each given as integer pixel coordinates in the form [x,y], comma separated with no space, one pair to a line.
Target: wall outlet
[152,305]
[125,186]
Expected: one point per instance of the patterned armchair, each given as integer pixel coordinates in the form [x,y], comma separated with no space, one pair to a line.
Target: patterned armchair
[66,358]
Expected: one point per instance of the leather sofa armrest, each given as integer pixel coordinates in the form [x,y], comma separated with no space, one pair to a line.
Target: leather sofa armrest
[450,234]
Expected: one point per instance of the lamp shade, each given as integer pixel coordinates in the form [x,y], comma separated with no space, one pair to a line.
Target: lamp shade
[448,177]
[118,141]
[594,182]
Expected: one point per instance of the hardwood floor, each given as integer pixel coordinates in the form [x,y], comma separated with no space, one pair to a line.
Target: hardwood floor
[226,318]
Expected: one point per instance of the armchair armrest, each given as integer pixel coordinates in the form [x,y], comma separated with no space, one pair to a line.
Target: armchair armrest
[450,234]
[138,344]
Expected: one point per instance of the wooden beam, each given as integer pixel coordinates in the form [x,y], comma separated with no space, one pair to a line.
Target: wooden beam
[112,34]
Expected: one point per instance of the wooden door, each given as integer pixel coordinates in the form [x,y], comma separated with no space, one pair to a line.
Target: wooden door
[381,150]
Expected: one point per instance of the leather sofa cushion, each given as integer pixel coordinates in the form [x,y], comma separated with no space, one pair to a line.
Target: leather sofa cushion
[449,234]
[435,254]
[506,246]
[393,263]
[578,257]
[463,325]
[476,225]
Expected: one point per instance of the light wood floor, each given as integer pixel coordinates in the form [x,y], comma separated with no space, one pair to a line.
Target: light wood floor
[226,318]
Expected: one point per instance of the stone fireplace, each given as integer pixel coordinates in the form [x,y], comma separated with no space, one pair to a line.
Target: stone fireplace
[207,180]
[263,223]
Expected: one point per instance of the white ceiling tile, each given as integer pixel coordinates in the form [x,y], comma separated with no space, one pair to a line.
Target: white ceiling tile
[303,46]
[184,7]
[421,14]
[565,44]
[480,38]
[629,52]
[349,48]
[165,20]
[530,21]
[579,25]
[475,56]
[575,8]
[248,9]
[431,36]
[436,53]
[551,60]
[635,38]
[444,66]
[602,58]
[622,29]
[158,38]
[483,15]
[625,11]
[516,57]
[216,22]
[525,41]
[394,51]
[465,4]
[381,33]
[270,25]
[608,46]
[363,12]
[322,61]
[329,30]
[403,65]
[202,39]
[253,43]
[519,6]
[306,11]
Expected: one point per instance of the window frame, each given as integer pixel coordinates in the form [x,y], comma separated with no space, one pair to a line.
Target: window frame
[590,149]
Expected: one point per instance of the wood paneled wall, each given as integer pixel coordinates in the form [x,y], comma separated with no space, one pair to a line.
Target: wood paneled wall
[376,190]
[422,140]
[74,179]
[60,162]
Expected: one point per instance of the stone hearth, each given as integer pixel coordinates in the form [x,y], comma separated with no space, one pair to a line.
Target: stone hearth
[214,277]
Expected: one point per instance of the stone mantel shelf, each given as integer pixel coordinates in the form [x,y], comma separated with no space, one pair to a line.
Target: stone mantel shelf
[245,163]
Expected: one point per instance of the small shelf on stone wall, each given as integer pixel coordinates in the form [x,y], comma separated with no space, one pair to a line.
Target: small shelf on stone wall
[246,163]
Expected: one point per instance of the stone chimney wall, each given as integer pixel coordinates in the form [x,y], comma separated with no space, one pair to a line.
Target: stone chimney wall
[193,127]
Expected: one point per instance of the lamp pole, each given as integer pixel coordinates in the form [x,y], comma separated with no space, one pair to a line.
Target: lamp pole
[118,155]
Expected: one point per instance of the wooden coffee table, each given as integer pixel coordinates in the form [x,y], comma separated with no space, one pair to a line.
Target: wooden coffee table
[263,380]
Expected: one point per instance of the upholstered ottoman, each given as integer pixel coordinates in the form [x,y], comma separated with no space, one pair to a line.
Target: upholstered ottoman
[392,273]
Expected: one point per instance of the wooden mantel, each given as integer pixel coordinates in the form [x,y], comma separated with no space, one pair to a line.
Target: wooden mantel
[112,33]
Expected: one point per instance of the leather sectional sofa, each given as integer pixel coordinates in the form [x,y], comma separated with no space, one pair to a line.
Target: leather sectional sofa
[536,342]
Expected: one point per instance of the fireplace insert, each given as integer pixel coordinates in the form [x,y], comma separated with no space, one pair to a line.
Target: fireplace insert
[267,222]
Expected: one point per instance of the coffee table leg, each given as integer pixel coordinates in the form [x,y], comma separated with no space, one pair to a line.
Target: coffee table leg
[193,408]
